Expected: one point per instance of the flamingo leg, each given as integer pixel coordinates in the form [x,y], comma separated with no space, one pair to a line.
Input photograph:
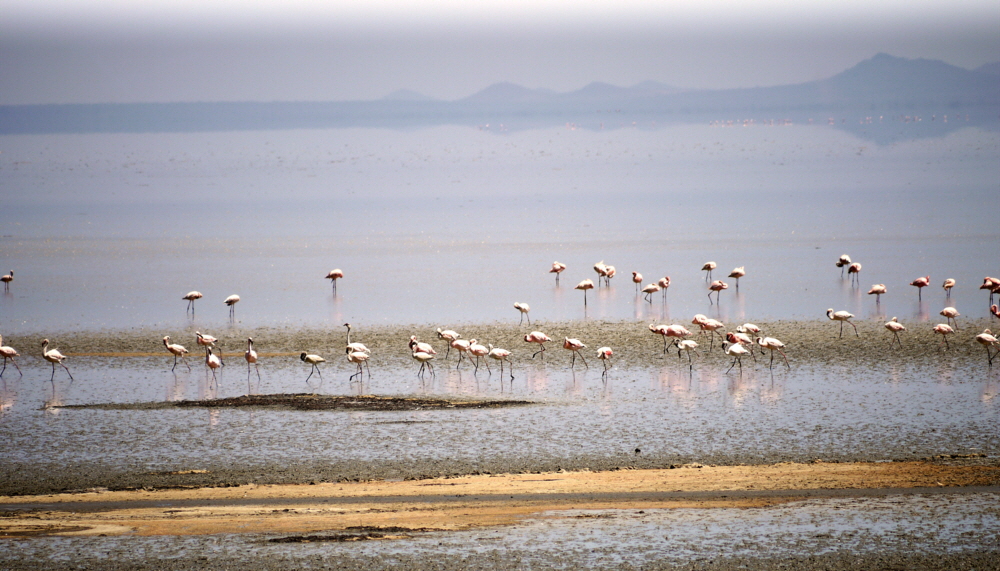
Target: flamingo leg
[855,330]
[582,359]
[841,330]
[733,365]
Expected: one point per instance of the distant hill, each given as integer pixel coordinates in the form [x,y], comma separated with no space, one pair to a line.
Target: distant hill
[883,86]
[989,68]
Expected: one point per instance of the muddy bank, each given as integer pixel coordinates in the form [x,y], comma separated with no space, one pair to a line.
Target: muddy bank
[305,401]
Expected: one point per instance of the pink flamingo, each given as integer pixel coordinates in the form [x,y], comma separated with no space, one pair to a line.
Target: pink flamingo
[951,314]
[6,284]
[843,261]
[738,273]
[842,316]
[854,271]
[417,346]
[995,311]
[637,280]
[8,353]
[602,271]
[772,344]
[251,356]
[986,339]
[574,345]
[334,275]
[585,285]
[190,297]
[944,331]
[920,284]
[948,284]
[424,359]
[688,346]
[449,336]
[54,356]
[717,286]
[540,338]
[649,290]
[231,301]
[359,358]
[524,308]
[664,283]
[501,355]
[707,268]
[877,290]
[895,326]
[557,268]
[736,351]
[478,351]
[462,346]
[675,332]
[177,351]
[605,354]
[609,272]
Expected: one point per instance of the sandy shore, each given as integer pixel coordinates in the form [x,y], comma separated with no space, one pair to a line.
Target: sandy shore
[468,501]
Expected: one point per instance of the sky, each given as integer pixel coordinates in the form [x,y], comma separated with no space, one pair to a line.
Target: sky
[78,51]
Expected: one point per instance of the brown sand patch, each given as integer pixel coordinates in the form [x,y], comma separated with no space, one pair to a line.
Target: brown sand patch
[457,503]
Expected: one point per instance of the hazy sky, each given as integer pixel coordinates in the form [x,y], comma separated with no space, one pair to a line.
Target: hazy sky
[70,51]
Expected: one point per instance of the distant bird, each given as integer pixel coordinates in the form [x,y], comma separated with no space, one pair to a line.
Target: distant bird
[605,354]
[251,356]
[53,356]
[313,360]
[877,290]
[424,359]
[448,335]
[177,351]
[540,338]
[355,346]
[557,268]
[212,360]
[717,286]
[990,284]
[609,272]
[738,273]
[478,350]
[843,261]
[895,326]
[748,328]
[6,283]
[951,313]
[501,355]
[772,345]
[707,268]
[842,316]
[664,283]
[736,351]
[637,280]
[462,346]
[686,345]
[204,339]
[986,339]
[8,353]
[675,332]
[334,275]
[417,346]
[231,301]
[602,271]
[359,358]
[585,285]
[190,297]
[947,285]
[995,311]
[649,290]
[920,284]
[524,308]
[854,271]
[574,345]
[944,331]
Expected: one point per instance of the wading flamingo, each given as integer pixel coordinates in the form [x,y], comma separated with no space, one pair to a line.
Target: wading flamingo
[334,275]
[417,346]
[951,314]
[877,290]
[462,346]
[177,351]
[585,285]
[313,360]
[251,356]
[524,308]
[501,355]
[736,351]
[605,354]
[675,332]
[717,286]
[664,283]
[190,297]
[609,272]
[944,331]
[637,280]
[425,361]
[540,338]
[986,339]
[557,268]
[842,262]
[359,358]
[649,290]
[448,336]
[205,340]
[574,345]
[738,273]
[895,326]
[854,271]
[842,316]
[231,301]
[212,361]
[772,344]
[355,346]
[478,350]
[54,356]
[602,271]
[707,268]
[8,353]
[686,345]
[6,281]
[947,285]
[920,284]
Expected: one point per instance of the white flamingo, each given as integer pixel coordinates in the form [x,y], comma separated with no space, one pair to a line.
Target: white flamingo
[540,338]
[251,356]
[524,308]
[177,351]
[313,360]
[54,356]
[334,275]
[842,316]
[895,327]
[190,297]
[8,353]
[231,301]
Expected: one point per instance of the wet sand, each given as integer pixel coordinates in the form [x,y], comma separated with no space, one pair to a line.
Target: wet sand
[469,501]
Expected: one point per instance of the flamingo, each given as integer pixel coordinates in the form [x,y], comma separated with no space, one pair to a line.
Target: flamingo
[637,280]
[853,271]
[748,328]
[717,286]
[177,351]
[736,351]
[609,273]
[8,353]
[478,351]
[686,345]
[990,284]
[574,345]
[842,316]
[604,354]
[951,314]
[772,345]
[540,338]
[649,290]
[711,325]
[738,273]
[664,283]
[895,326]
[313,360]
[448,335]
[557,268]
[944,331]
[602,271]
[676,332]
[6,283]
[251,356]
[462,346]
[355,346]
[231,301]
[424,359]
[585,285]
[190,297]
[986,339]
[920,284]
[707,268]
[524,308]
[360,358]
[501,355]
[947,285]
[212,360]
[53,356]
[844,260]
[205,339]
[334,275]
[877,290]
[995,311]
[417,346]
[742,339]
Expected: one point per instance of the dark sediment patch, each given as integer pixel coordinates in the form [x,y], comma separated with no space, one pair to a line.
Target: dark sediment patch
[305,401]
[356,533]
